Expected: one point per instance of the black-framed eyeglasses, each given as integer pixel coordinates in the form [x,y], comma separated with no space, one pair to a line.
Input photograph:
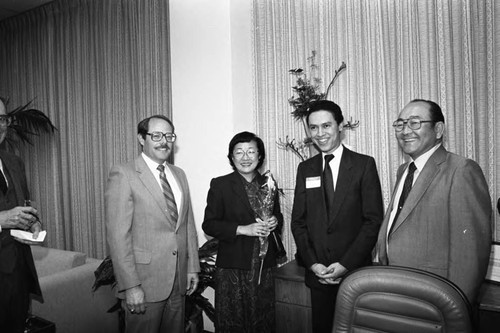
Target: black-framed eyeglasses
[413,124]
[5,120]
[157,136]
[239,153]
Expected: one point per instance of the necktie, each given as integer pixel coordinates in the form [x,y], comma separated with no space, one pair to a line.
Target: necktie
[3,183]
[169,195]
[328,183]
[404,194]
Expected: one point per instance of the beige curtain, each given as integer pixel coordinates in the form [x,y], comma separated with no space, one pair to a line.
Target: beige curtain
[96,68]
[395,51]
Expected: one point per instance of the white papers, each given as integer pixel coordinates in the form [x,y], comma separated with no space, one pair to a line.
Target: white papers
[26,235]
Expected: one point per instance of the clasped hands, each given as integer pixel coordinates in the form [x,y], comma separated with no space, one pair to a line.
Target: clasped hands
[24,218]
[329,275]
[260,228]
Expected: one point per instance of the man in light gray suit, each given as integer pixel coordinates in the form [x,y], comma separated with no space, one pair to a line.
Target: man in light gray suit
[439,221]
[151,233]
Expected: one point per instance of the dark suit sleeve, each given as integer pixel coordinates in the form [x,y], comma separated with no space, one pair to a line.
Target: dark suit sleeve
[214,224]
[372,215]
[298,225]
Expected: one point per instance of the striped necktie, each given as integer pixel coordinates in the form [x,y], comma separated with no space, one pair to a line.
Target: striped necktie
[169,195]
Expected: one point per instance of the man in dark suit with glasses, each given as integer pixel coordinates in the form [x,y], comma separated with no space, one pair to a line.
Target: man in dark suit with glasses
[18,277]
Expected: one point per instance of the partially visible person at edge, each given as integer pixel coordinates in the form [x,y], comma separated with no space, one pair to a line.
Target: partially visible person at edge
[151,233]
[18,277]
[337,211]
[231,216]
[444,225]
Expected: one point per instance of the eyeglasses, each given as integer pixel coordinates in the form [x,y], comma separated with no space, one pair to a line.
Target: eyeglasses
[157,136]
[5,120]
[413,124]
[239,153]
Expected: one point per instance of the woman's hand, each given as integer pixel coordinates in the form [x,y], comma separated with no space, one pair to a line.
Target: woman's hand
[258,229]
[271,223]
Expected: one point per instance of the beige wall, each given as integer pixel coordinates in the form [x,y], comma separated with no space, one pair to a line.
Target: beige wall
[212,91]
[211,87]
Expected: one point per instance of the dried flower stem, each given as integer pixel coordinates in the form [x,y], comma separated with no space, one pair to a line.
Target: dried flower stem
[337,72]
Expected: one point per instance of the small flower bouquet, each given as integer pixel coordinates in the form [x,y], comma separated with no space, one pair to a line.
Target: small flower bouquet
[265,198]
[265,202]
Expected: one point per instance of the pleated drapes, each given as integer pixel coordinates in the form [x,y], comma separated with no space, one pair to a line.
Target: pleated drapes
[96,68]
[395,51]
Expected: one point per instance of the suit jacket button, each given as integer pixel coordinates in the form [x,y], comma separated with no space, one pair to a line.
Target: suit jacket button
[174,253]
[329,231]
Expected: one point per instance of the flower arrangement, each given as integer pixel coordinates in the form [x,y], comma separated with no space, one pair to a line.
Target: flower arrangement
[306,91]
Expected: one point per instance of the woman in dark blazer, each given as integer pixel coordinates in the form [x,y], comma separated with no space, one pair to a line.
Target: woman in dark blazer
[244,293]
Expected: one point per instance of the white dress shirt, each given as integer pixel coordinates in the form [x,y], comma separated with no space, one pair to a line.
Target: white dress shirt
[334,163]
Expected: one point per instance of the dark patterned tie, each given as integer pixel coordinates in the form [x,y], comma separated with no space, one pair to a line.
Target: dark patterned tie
[3,183]
[404,194]
[169,195]
[328,183]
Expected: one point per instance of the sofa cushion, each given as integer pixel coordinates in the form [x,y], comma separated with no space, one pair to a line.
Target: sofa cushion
[49,261]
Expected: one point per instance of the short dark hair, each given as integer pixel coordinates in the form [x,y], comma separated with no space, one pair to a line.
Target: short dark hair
[435,111]
[325,105]
[143,126]
[246,137]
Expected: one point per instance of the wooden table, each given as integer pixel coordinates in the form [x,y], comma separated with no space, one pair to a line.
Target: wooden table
[489,308]
[293,300]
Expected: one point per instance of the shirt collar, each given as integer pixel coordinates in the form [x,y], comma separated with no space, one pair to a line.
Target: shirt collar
[152,165]
[337,152]
[422,159]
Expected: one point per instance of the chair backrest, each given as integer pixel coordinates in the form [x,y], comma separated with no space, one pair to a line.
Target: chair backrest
[400,299]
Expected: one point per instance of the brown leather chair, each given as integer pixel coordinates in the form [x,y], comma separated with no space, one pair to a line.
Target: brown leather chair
[400,299]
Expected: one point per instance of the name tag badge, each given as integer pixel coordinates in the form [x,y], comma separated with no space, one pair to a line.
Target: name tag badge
[313,182]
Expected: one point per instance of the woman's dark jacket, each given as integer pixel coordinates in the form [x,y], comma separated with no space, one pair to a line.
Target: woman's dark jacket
[227,208]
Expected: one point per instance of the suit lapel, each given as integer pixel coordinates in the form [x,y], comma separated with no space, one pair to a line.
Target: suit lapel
[343,183]
[424,180]
[315,169]
[181,206]
[151,185]
[15,176]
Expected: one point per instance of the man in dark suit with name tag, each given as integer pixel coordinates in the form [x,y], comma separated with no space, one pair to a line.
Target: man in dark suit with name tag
[337,211]
[18,276]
